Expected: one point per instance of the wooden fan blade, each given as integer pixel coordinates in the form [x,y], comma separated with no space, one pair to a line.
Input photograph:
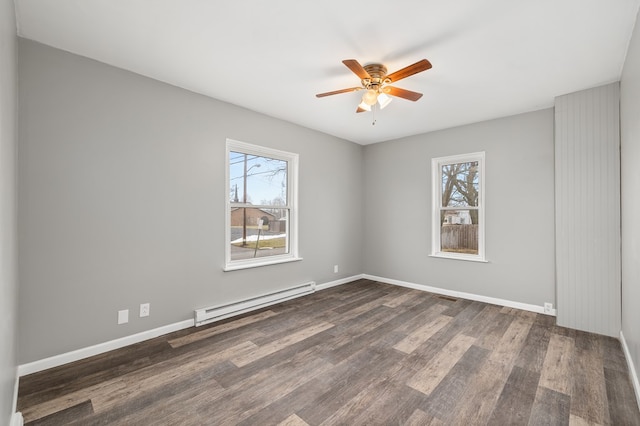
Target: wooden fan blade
[419,66]
[360,109]
[336,92]
[402,93]
[356,68]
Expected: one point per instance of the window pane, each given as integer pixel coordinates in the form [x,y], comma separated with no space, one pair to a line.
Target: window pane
[249,240]
[460,184]
[262,179]
[458,231]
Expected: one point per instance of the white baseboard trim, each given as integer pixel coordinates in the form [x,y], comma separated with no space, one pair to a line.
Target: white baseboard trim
[57,360]
[16,417]
[460,294]
[335,283]
[633,374]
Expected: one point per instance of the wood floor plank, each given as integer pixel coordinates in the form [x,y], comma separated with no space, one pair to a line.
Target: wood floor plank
[588,388]
[575,420]
[479,400]
[212,331]
[360,404]
[455,308]
[160,406]
[347,385]
[365,299]
[64,416]
[397,300]
[527,315]
[557,363]
[420,418]
[507,310]
[422,334]
[339,383]
[364,340]
[350,327]
[612,354]
[484,320]
[546,320]
[275,329]
[517,397]
[47,408]
[180,408]
[229,378]
[245,399]
[532,355]
[550,408]
[358,311]
[146,381]
[429,377]
[293,420]
[511,343]
[386,400]
[387,408]
[209,406]
[345,355]
[623,408]
[164,373]
[258,352]
[434,345]
[444,399]
[493,331]
[89,372]
[422,317]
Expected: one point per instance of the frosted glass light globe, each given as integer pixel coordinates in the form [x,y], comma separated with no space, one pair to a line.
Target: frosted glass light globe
[370,97]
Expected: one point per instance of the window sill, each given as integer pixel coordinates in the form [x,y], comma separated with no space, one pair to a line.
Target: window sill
[467,258]
[256,264]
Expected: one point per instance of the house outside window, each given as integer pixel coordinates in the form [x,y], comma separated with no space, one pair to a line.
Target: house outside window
[261,214]
[458,207]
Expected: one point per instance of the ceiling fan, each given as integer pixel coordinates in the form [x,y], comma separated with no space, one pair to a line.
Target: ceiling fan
[375,80]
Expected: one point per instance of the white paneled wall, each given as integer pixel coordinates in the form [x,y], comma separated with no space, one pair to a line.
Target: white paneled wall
[587,164]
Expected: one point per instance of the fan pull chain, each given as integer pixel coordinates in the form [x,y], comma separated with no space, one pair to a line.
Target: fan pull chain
[373,111]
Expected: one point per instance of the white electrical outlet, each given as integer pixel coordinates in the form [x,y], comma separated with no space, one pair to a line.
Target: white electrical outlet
[144,309]
[335,269]
[548,308]
[123,316]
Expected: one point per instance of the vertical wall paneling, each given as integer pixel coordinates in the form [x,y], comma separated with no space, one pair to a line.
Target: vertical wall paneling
[587,164]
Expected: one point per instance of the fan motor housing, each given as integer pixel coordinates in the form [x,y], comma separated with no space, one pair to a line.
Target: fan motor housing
[378,72]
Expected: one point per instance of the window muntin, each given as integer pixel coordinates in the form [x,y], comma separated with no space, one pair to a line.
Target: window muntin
[458,207]
[261,206]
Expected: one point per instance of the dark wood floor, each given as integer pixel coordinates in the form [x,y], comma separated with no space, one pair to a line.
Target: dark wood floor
[364,353]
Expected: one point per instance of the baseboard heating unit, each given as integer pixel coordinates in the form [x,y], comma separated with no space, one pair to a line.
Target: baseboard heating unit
[216,313]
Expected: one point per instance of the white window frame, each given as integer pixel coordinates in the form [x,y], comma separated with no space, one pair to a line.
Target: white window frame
[436,178]
[292,205]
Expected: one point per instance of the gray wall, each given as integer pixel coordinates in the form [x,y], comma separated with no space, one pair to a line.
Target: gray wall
[121,201]
[587,127]
[630,175]
[519,209]
[8,281]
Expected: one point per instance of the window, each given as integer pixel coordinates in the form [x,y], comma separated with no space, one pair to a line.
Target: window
[261,216]
[458,207]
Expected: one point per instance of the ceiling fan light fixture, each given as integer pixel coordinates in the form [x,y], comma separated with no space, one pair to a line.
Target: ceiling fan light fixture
[375,81]
[383,100]
[364,106]
[370,97]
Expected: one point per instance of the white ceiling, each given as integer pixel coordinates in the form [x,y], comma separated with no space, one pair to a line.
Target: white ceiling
[491,58]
